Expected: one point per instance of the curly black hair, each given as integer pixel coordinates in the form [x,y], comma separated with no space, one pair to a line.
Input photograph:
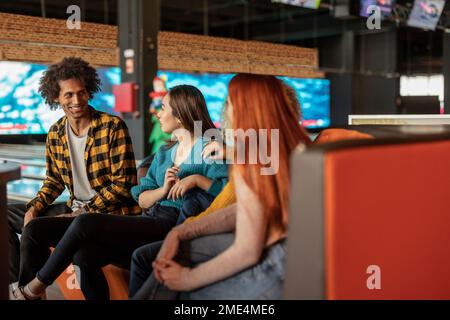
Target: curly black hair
[67,68]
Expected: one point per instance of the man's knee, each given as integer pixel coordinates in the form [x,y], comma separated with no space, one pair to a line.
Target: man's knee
[82,225]
[31,230]
[18,209]
[145,255]
[31,236]
[16,214]
[138,256]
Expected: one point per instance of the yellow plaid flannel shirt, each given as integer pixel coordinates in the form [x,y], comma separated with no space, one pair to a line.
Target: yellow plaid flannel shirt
[110,166]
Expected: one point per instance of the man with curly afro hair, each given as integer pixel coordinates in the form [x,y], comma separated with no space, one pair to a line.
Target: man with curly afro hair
[88,152]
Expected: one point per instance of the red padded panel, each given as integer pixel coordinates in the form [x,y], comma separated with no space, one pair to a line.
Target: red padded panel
[125,95]
[388,206]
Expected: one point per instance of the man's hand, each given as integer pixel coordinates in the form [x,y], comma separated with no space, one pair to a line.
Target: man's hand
[71,214]
[29,215]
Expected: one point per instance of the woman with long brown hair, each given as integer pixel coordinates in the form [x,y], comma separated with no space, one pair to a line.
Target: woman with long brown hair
[178,184]
[238,252]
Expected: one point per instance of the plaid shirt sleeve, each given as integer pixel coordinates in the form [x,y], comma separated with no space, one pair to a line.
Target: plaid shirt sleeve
[123,171]
[53,184]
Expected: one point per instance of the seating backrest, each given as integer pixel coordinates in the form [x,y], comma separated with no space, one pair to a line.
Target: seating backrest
[117,279]
[337,134]
[370,219]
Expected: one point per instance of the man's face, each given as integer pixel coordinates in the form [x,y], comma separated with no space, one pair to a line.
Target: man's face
[73,98]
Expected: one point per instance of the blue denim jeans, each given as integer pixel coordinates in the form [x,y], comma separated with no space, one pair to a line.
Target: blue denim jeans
[141,266]
[195,201]
[262,281]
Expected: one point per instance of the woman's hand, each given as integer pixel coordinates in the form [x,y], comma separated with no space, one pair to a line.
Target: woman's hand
[215,147]
[149,197]
[169,247]
[168,251]
[170,179]
[172,275]
[182,186]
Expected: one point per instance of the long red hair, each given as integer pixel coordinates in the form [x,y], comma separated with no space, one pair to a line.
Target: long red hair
[261,102]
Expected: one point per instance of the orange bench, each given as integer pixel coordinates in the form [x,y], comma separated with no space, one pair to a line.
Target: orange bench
[369,220]
[117,280]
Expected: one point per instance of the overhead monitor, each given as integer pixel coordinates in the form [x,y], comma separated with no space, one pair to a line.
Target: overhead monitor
[312,4]
[426,14]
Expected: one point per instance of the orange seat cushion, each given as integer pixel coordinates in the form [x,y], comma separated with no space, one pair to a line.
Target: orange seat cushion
[117,280]
[332,135]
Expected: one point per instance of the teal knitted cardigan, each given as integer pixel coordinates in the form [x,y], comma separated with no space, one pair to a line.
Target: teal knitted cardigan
[194,164]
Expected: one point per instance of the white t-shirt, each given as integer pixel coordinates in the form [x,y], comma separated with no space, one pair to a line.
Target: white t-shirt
[82,189]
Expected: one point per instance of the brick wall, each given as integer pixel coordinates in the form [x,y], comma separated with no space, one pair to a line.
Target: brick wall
[40,40]
[203,53]
[34,39]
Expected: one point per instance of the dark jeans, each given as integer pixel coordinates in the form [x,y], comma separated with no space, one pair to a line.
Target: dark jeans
[141,266]
[16,213]
[261,281]
[190,254]
[194,202]
[93,241]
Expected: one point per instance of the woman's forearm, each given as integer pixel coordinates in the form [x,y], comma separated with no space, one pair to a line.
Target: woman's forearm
[203,182]
[245,252]
[250,235]
[220,221]
[150,197]
[232,261]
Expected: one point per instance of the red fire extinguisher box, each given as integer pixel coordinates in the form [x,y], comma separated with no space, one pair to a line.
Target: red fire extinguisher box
[125,94]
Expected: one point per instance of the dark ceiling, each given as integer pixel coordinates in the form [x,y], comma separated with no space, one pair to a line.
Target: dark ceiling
[418,51]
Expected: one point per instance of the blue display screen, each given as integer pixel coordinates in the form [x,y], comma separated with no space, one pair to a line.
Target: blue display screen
[426,14]
[23,111]
[313,94]
[385,7]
